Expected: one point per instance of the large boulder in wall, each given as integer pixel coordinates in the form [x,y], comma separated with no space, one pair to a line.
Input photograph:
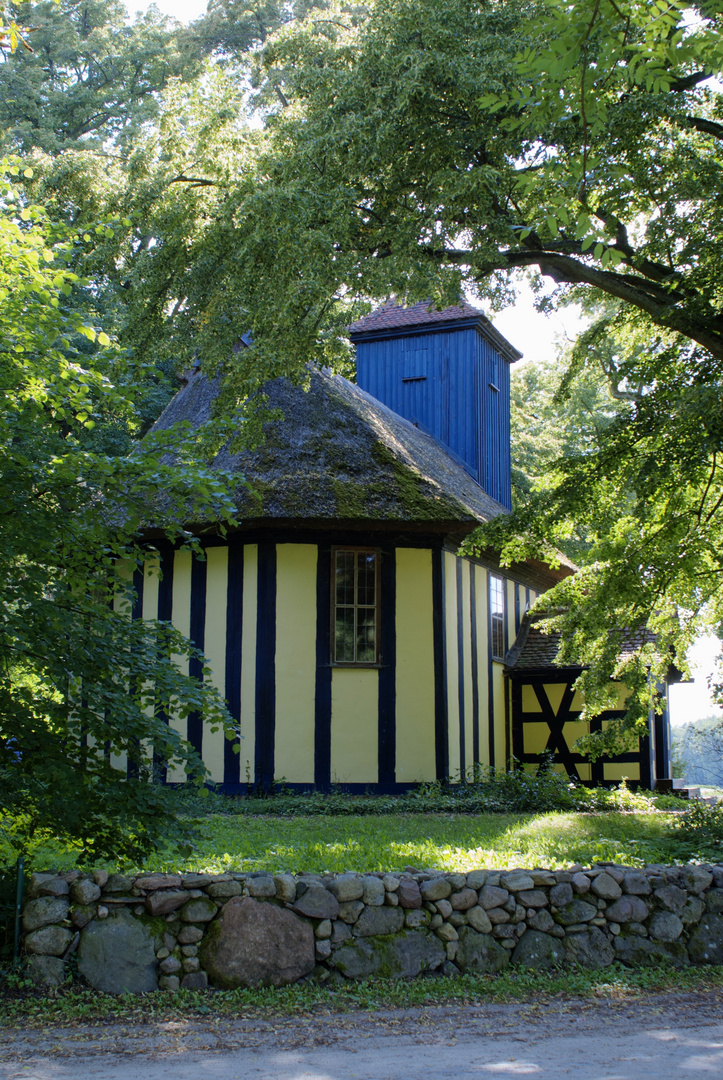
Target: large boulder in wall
[253,943]
[118,955]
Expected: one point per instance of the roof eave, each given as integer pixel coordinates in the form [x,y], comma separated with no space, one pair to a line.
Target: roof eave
[480,323]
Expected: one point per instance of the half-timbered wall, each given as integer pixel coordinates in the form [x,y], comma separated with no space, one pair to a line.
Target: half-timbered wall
[546,724]
[478,726]
[432,708]
[435,706]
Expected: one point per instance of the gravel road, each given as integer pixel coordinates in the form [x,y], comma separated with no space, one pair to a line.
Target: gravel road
[659,1036]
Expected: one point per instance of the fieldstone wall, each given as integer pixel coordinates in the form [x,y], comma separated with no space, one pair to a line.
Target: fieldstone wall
[164,931]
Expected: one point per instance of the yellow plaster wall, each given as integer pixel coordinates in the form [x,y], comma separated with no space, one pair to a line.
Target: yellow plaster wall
[295,661]
[150,611]
[181,613]
[500,717]
[510,610]
[482,608]
[124,568]
[534,736]
[215,649]
[150,589]
[629,771]
[530,701]
[555,693]
[450,624]
[248,662]
[415,758]
[467,653]
[354,725]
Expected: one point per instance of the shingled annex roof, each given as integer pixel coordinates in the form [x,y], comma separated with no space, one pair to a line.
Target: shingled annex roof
[535,650]
[392,316]
[339,455]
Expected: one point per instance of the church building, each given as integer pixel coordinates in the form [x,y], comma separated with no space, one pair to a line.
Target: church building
[352,643]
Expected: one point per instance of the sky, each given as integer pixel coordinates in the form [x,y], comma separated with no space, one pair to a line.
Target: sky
[536,336]
[183,10]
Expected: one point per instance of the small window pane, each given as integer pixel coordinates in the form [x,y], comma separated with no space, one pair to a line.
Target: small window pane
[355,607]
[366,636]
[344,635]
[345,577]
[367,579]
[497,616]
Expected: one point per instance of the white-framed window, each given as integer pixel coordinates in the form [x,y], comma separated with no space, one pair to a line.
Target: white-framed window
[497,616]
[355,606]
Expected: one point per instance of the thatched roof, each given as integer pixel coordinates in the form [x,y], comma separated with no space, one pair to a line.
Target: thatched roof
[339,456]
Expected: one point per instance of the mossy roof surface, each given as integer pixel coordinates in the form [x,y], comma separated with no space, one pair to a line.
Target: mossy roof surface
[338,454]
[536,650]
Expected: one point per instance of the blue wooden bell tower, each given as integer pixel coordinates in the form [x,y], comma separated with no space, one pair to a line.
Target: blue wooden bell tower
[448,372]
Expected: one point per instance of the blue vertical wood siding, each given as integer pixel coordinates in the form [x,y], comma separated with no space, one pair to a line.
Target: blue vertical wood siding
[454,383]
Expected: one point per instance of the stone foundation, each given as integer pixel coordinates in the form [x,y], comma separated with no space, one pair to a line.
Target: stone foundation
[164,931]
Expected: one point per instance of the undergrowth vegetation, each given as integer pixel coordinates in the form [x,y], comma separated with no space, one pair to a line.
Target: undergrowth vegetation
[21,1002]
[486,792]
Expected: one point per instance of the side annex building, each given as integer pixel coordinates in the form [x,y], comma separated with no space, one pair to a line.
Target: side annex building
[352,643]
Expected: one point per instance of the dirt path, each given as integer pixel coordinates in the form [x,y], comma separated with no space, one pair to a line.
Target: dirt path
[661,1036]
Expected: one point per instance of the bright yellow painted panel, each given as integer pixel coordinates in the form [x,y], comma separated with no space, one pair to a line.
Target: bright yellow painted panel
[295,661]
[467,654]
[150,589]
[450,623]
[354,725]
[215,649]
[124,568]
[150,611]
[248,662]
[482,594]
[613,771]
[181,614]
[584,771]
[182,591]
[574,730]
[535,736]
[499,685]
[415,757]
[530,702]
[578,701]
[510,611]
[555,693]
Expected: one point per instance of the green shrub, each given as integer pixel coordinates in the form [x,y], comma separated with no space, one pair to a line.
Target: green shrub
[8,881]
[482,791]
[700,829]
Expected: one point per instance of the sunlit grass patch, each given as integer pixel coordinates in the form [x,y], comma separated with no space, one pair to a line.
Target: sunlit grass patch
[453,842]
[446,842]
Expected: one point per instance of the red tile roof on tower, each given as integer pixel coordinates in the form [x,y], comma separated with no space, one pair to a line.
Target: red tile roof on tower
[393,316]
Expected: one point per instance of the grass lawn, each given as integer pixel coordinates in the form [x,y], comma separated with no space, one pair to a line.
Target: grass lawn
[393,841]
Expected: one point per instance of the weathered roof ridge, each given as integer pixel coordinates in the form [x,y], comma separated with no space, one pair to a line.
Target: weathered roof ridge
[536,649]
[393,316]
[340,454]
